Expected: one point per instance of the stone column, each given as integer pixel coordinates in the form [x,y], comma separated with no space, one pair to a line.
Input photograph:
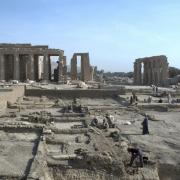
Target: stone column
[139,74]
[16,74]
[41,67]
[82,78]
[152,73]
[36,68]
[49,61]
[65,73]
[95,73]
[85,68]
[135,73]
[32,72]
[60,69]
[46,68]
[149,73]
[2,67]
[145,74]
[92,72]
[158,73]
[64,69]
[155,73]
[165,71]
[64,60]
[74,68]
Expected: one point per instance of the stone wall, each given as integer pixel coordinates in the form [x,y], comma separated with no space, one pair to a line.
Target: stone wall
[11,95]
[91,93]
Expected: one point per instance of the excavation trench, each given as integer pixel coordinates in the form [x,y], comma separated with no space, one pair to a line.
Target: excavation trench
[168,172]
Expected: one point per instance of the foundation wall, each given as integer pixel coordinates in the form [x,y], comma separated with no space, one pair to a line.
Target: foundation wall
[10,95]
[74,93]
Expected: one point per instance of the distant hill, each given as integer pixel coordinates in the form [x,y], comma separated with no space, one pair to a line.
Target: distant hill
[119,74]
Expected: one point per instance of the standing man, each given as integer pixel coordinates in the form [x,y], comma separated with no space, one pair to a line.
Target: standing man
[145,125]
[169,98]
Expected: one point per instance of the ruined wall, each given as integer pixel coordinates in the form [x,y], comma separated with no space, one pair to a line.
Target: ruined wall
[86,69]
[21,62]
[151,70]
[98,93]
[10,95]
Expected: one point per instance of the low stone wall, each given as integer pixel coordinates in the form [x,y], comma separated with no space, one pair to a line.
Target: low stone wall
[155,107]
[140,91]
[10,95]
[75,93]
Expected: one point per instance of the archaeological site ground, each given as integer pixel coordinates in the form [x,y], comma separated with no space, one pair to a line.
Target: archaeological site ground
[60,124]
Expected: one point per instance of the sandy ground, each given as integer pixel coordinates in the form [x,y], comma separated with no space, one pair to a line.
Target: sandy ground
[14,157]
[164,138]
[163,142]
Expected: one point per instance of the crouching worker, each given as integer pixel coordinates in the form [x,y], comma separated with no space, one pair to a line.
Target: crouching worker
[94,122]
[105,124]
[135,153]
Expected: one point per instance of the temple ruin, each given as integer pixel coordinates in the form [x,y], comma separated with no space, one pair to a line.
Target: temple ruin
[85,130]
[151,70]
[86,69]
[22,62]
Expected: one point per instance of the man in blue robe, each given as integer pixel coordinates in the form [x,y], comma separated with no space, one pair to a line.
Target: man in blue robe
[145,126]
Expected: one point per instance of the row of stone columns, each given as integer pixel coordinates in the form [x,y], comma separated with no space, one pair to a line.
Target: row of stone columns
[87,71]
[31,68]
[155,71]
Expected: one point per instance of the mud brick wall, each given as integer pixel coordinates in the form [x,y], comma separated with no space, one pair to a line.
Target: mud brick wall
[11,95]
[90,93]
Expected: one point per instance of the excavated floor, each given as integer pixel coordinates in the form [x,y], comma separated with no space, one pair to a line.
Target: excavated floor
[33,154]
[16,152]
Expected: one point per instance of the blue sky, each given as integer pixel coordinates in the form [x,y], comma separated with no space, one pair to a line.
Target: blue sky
[114,32]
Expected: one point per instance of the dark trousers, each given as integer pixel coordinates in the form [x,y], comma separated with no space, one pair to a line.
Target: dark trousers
[133,157]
